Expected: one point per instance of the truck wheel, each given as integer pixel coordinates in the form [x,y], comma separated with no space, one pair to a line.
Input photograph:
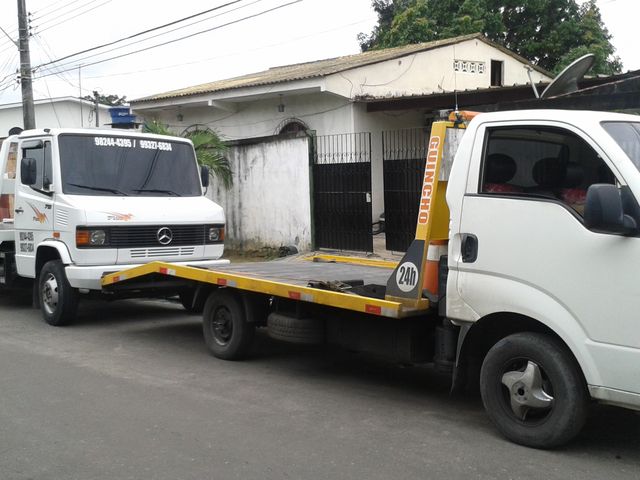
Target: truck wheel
[227,333]
[533,390]
[58,299]
[303,331]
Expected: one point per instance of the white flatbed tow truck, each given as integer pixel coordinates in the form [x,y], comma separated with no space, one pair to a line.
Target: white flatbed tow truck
[523,281]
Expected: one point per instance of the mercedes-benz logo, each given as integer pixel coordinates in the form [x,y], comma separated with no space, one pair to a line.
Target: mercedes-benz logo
[165,235]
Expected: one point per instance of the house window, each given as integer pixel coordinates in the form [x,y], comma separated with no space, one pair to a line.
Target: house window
[542,163]
[496,73]
[468,66]
[291,127]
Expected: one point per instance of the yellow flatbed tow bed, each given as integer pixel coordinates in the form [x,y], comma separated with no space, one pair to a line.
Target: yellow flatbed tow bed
[362,304]
[341,282]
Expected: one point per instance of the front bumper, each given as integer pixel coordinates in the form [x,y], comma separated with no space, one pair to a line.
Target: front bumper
[89,277]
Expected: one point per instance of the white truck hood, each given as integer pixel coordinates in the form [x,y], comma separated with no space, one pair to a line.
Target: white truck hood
[145,210]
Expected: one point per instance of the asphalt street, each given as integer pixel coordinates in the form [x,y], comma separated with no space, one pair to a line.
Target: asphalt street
[130,392]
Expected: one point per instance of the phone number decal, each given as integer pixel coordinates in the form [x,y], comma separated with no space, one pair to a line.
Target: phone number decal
[113,142]
[153,145]
[131,143]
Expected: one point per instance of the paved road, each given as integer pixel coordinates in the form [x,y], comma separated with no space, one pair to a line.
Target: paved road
[130,392]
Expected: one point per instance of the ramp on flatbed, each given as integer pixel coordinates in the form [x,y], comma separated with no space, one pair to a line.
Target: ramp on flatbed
[314,280]
[302,272]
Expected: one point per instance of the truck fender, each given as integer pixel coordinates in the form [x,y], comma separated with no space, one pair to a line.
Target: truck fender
[520,307]
[58,246]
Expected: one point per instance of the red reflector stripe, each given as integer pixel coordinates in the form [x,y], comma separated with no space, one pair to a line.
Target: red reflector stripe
[163,270]
[222,281]
[294,295]
[373,309]
[116,279]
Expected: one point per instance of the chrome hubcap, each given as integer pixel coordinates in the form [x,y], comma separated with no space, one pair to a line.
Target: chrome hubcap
[50,294]
[526,391]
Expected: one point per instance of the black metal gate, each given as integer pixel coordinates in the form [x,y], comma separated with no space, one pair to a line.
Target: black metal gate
[342,191]
[404,153]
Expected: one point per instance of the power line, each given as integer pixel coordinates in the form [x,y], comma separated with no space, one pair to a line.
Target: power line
[155,36]
[230,54]
[74,16]
[139,33]
[50,6]
[47,51]
[248,17]
[35,17]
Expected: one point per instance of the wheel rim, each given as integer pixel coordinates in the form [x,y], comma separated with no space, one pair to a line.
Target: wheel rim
[222,326]
[527,391]
[50,294]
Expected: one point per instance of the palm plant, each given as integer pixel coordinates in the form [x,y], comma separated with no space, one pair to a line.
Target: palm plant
[209,147]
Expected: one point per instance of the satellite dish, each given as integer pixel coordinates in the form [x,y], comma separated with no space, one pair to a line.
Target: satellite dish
[567,79]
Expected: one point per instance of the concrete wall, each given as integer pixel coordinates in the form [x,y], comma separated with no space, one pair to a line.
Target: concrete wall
[269,203]
[429,72]
[53,114]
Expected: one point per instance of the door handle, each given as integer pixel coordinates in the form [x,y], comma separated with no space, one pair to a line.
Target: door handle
[469,248]
[19,210]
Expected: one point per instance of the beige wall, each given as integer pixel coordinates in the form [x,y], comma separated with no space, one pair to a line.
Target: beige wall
[430,72]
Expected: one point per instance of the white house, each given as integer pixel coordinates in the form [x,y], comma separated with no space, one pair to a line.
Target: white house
[55,112]
[329,97]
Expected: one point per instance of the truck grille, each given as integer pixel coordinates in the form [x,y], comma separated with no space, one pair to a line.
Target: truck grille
[147,236]
[162,252]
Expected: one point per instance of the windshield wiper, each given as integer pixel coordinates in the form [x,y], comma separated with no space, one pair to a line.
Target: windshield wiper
[99,189]
[157,190]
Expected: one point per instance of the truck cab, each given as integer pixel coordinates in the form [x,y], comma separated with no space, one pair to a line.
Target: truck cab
[544,233]
[82,203]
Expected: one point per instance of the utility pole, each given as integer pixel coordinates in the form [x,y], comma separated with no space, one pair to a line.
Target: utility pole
[28,111]
[96,101]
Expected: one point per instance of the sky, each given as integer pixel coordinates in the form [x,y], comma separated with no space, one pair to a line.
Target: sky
[245,36]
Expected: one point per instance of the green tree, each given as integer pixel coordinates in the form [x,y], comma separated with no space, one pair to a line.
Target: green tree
[549,33]
[113,100]
[209,147]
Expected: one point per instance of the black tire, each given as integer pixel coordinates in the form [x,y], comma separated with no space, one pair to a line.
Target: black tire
[303,331]
[227,333]
[191,300]
[58,300]
[535,421]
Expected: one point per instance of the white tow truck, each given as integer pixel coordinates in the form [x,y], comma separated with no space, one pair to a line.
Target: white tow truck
[524,282]
[77,204]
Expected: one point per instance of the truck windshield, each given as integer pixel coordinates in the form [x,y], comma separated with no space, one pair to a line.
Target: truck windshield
[627,135]
[122,166]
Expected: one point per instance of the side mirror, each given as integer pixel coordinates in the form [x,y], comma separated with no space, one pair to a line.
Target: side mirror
[28,171]
[204,175]
[604,211]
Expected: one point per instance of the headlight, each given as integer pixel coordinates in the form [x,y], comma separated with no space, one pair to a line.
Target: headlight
[98,237]
[215,234]
[86,237]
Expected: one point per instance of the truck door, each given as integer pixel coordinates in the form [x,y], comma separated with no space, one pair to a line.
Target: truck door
[33,202]
[529,250]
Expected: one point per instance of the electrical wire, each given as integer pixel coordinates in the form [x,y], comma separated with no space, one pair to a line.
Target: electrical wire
[35,18]
[230,54]
[50,6]
[155,36]
[46,49]
[108,44]
[248,17]
[74,16]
